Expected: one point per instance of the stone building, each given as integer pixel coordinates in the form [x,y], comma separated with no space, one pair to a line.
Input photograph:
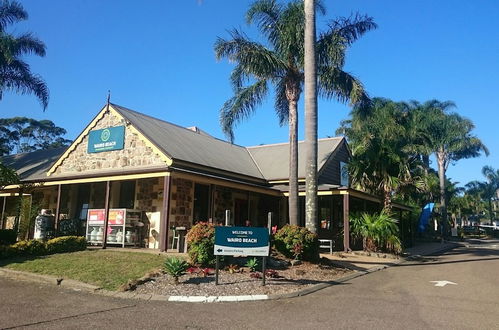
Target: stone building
[170,177]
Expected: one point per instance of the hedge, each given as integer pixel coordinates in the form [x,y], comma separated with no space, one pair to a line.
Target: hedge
[38,247]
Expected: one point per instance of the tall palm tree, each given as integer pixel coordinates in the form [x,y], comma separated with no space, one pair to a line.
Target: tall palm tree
[311,120]
[15,73]
[449,137]
[280,62]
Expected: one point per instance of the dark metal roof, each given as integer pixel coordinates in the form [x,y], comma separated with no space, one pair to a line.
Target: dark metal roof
[33,166]
[192,146]
[273,159]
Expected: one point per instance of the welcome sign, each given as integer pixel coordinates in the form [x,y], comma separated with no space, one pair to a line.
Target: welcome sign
[248,241]
[107,139]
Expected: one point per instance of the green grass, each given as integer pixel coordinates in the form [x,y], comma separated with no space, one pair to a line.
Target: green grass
[107,269]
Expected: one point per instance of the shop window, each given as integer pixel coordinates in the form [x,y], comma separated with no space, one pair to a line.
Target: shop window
[127,194]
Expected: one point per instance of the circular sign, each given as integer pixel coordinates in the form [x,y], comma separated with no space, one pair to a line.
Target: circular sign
[105,135]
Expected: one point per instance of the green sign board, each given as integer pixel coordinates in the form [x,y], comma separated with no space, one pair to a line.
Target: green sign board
[249,241]
[107,139]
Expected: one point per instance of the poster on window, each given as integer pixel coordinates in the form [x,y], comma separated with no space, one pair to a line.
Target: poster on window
[343,174]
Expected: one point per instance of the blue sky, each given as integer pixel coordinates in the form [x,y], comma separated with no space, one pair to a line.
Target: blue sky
[157,57]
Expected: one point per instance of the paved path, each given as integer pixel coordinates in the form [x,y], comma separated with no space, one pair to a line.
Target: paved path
[400,297]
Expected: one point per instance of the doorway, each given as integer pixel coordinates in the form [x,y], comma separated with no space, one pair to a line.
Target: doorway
[201,202]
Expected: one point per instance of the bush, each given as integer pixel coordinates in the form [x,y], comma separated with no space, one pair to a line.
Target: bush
[66,244]
[379,232]
[31,248]
[7,236]
[38,247]
[200,243]
[290,237]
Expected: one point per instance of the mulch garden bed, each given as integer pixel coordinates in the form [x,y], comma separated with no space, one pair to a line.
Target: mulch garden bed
[289,279]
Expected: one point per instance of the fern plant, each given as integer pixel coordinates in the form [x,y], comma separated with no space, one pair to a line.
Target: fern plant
[378,232]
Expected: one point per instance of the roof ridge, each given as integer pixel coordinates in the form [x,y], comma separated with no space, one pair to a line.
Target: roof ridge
[301,141]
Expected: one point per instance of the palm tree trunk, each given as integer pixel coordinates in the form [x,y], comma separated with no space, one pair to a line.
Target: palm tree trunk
[293,162]
[443,202]
[311,218]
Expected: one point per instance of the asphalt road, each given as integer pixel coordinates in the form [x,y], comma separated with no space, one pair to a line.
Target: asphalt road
[401,297]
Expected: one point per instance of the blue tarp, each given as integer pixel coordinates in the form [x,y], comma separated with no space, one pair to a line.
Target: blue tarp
[425,216]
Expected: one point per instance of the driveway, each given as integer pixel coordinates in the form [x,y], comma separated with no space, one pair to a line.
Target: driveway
[414,295]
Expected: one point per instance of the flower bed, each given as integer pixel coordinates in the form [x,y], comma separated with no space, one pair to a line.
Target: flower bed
[240,282]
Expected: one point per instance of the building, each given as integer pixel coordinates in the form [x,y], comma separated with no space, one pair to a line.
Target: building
[176,176]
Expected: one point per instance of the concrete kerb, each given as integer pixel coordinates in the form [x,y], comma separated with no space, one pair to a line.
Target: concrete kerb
[80,286]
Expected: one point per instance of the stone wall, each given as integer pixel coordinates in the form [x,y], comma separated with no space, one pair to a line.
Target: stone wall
[147,196]
[135,153]
[222,201]
[181,202]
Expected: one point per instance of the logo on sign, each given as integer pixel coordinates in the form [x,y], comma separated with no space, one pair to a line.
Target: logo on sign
[106,134]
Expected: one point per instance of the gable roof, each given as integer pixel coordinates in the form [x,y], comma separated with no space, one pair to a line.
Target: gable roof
[273,159]
[192,146]
[187,148]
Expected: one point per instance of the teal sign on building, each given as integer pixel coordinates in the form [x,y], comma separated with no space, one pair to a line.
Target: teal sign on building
[107,139]
[248,241]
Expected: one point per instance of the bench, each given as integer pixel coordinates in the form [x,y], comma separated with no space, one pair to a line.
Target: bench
[326,244]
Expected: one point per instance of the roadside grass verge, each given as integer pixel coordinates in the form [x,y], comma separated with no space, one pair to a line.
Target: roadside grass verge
[106,269]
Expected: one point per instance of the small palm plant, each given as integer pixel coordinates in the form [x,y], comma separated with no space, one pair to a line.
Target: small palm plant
[176,267]
[378,232]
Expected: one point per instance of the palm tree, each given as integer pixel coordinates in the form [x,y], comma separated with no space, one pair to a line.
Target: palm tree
[488,189]
[281,64]
[448,136]
[381,162]
[311,120]
[15,74]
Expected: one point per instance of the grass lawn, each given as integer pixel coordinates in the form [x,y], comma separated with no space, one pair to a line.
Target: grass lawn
[107,269]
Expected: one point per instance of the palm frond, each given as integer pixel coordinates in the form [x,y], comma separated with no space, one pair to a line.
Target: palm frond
[11,12]
[241,106]
[252,58]
[340,85]
[281,102]
[266,14]
[25,83]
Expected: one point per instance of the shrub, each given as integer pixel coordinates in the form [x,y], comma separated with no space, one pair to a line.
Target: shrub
[252,264]
[38,247]
[7,236]
[66,244]
[201,242]
[290,237]
[378,232]
[176,267]
[31,248]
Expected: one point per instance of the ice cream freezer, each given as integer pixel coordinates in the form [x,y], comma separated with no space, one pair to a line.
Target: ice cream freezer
[121,230]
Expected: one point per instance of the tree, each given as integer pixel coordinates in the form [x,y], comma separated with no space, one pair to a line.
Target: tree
[381,161]
[15,73]
[486,190]
[311,120]
[21,134]
[281,64]
[449,137]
